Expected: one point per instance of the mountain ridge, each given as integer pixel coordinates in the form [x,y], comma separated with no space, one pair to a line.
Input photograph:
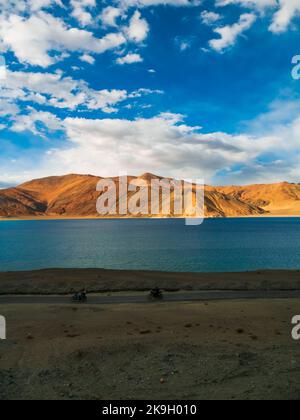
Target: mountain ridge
[75,195]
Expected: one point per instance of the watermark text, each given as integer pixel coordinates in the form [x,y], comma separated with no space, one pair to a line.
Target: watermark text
[296,68]
[296,329]
[2,328]
[152,197]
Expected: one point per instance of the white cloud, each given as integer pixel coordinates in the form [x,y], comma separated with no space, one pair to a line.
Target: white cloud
[183,43]
[37,122]
[143,92]
[32,39]
[138,28]
[88,59]
[130,59]
[39,38]
[162,144]
[209,18]
[8,108]
[110,15]
[57,91]
[258,4]
[27,5]
[230,33]
[284,16]
[81,11]
[148,3]
[166,145]
[3,73]
[53,89]
[285,10]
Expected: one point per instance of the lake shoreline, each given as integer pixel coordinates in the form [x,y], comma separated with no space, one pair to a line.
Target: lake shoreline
[73,218]
[67,281]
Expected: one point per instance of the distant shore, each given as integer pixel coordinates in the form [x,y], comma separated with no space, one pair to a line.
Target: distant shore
[66,281]
[48,218]
[86,218]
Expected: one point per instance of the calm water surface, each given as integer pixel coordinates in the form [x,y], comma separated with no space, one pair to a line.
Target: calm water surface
[168,245]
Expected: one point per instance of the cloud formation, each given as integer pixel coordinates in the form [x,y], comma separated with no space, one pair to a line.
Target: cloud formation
[209,18]
[146,3]
[130,59]
[54,90]
[109,16]
[284,11]
[82,11]
[230,33]
[33,38]
[282,19]
[42,33]
[164,144]
[138,28]
[57,91]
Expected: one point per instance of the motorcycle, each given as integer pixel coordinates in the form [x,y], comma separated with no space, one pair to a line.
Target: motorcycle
[79,297]
[156,294]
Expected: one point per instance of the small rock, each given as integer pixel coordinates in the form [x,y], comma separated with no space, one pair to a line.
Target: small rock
[145,332]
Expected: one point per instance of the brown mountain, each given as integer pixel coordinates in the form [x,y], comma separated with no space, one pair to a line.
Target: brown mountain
[76,196]
[276,199]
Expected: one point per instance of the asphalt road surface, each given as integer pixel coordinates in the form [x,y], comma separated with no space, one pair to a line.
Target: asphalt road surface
[140,298]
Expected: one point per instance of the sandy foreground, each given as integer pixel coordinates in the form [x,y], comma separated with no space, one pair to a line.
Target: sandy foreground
[208,350]
[231,349]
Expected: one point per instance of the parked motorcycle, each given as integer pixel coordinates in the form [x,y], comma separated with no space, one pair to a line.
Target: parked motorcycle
[79,297]
[156,294]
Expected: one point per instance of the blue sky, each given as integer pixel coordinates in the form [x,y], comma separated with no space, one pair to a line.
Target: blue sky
[183,88]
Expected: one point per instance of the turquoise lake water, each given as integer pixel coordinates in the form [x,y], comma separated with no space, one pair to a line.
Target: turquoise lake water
[168,245]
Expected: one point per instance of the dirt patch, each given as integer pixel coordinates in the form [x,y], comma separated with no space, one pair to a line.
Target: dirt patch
[147,351]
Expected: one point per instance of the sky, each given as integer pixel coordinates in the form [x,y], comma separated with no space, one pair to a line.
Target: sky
[202,89]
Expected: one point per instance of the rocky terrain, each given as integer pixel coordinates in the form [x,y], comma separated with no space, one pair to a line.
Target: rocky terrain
[76,196]
[232,350]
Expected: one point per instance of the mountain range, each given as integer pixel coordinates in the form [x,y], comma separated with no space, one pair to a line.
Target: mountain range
[76,196]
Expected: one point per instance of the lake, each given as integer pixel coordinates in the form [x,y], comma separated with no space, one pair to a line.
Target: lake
[168,245]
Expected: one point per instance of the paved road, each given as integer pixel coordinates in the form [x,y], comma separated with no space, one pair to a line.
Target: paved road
[168,297]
